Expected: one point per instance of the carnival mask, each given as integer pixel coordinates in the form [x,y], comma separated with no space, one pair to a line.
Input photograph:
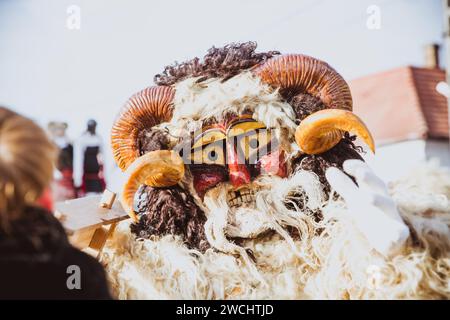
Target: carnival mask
[211,128]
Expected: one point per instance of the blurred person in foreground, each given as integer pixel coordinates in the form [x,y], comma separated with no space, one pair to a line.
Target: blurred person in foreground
[35,254]
[89,162]
[63,187]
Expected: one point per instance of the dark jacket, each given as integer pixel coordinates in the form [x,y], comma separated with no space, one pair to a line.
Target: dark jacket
[38,262]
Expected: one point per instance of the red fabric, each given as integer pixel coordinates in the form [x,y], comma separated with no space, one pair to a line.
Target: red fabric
[63,188]
[92,176]
[46,200]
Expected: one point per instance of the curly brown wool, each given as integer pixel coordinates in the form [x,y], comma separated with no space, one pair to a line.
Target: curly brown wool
[224,62]
[172,211]
[151,140]
[334,157]
[304,105]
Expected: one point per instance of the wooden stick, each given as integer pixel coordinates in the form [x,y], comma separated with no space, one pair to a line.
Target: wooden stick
[90,221]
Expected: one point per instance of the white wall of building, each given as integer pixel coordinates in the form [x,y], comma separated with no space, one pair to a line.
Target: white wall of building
[396,160]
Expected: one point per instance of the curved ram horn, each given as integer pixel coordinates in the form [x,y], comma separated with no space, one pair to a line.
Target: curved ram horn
[144,109]
[160,168]
[296,73]
[322,130]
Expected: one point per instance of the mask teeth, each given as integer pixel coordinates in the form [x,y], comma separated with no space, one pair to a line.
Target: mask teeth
[241,197]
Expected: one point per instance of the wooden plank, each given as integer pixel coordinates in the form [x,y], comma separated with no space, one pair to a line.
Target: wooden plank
[82,239]
[107,199]
[99,239]
[86,213]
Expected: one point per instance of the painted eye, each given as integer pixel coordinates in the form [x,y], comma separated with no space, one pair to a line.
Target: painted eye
[212,155]
[209,154]
[253,143]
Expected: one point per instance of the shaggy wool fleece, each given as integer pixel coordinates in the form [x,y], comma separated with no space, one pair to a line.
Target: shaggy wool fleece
[331,261]
[196,102]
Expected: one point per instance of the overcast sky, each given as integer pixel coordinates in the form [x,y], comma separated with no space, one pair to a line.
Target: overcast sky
[50,72]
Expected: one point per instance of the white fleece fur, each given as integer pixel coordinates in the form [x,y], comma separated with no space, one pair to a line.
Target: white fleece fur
[332,260]
[211,98]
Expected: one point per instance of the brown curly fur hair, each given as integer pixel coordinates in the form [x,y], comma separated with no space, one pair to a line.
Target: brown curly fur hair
[170,210]
[225,63]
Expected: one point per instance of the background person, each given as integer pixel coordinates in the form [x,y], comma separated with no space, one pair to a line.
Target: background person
[63,188]
[89,162]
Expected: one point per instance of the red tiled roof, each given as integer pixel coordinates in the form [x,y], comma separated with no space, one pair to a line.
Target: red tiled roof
[402,104]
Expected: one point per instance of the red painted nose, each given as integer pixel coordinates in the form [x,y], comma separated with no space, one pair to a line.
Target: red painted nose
[239,174]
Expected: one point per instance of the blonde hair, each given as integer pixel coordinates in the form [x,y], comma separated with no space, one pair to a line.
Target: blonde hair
[26,164]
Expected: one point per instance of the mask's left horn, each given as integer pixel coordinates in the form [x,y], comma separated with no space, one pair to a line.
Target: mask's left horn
[143,110]
[159,168]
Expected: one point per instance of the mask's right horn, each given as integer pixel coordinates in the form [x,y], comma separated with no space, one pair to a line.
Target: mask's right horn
[321,130]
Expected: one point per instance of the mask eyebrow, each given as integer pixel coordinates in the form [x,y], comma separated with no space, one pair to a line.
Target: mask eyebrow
[208,137]
[218,143]
[241,128]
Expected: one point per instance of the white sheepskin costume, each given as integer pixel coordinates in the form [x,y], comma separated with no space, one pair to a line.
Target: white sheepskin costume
[331,260]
